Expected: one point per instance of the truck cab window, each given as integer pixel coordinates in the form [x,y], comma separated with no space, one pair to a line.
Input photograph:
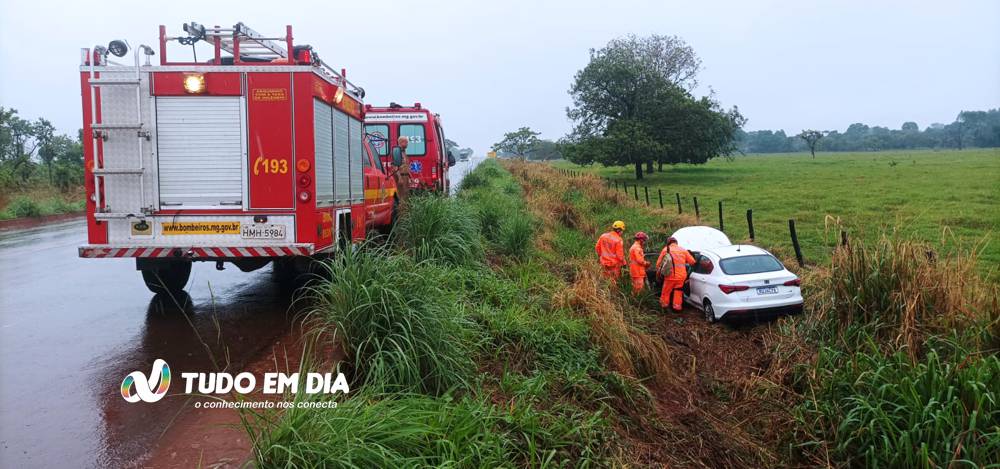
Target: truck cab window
[378,135]
[418,140]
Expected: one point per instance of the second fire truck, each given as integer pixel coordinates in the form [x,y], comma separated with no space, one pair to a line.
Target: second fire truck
[256,155]
[430,157]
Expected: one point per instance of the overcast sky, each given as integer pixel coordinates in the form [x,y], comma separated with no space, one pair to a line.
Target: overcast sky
[491,67]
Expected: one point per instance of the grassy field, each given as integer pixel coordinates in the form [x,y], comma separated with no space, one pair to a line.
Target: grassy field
[935,196]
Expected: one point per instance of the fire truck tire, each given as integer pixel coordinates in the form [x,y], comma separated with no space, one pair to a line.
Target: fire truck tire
[166,277]
[292,271]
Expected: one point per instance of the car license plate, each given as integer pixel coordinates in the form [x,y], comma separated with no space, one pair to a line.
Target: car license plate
[263,232]
[767,290]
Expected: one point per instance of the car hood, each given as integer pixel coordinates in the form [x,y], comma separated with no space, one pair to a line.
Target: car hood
[701,238]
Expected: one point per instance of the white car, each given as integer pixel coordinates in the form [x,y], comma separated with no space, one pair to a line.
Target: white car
[736,281]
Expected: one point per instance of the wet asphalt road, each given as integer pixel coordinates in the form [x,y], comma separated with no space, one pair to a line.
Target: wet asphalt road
[71,329]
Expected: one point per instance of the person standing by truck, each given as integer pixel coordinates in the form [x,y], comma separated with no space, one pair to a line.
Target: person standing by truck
[402,174]
[672,267]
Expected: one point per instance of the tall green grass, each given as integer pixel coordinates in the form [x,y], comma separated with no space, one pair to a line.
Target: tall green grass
[454,363]
[439,229]
[412,430]
[401,329]
[876,410]
[906,374]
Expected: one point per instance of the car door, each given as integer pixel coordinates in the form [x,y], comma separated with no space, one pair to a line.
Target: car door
[700,279]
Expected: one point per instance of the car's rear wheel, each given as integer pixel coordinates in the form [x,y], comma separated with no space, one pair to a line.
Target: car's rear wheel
[709,311]
[167,277]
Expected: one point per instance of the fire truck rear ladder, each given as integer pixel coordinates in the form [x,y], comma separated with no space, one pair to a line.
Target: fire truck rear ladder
[103,131]
[240,41]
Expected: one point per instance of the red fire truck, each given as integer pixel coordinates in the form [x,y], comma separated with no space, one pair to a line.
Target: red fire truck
[255,155]
[428,151]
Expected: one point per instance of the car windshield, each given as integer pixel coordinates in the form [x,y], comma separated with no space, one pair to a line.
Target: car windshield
[750,264]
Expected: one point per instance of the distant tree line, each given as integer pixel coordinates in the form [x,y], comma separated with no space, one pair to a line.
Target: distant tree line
[979,129]
[32,154]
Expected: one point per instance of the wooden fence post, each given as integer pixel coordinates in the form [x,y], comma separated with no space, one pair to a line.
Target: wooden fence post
[795,243]
[721,226]
[679,210]
[646,190]
[697,213]
[635,191]
[843,238]
[660,193]
[750,222]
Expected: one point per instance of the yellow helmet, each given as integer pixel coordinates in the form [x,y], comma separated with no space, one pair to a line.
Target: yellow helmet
[618,225]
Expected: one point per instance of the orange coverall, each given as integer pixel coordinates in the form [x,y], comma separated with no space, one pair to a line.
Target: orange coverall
[611,252]
[673,283]
[637,266]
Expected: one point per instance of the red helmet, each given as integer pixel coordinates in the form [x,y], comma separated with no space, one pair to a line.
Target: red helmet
[671,240]
[641,235]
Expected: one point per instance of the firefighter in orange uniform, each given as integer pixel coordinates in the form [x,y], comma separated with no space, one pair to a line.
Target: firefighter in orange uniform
[672,267]
[637,262]
[611,251]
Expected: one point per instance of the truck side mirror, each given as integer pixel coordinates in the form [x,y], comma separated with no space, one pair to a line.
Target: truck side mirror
[451,158]
[397,157]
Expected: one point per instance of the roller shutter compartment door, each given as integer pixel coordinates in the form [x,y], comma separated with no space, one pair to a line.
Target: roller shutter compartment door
[341,157]
[323,131]
[201,151]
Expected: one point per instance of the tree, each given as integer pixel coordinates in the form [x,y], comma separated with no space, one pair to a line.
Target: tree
[812,137]
[545,150]
[638,88]
[518,142]
[65,157]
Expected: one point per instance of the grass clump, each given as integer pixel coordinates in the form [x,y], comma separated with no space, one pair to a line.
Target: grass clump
[515,237]
[22,207]
[399,327]
[906,292]
[440,229]
[874,410]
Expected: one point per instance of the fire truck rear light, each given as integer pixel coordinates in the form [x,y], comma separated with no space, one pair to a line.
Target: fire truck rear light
[304,196]
[304,180]
[727,289]
[194,83]
[302,165]
[339,95]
